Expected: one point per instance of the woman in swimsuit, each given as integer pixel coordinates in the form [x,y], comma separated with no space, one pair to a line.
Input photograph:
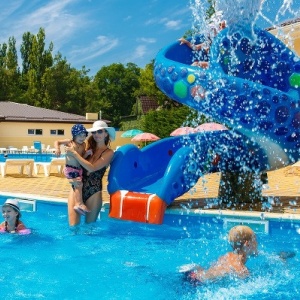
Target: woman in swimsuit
[94,167]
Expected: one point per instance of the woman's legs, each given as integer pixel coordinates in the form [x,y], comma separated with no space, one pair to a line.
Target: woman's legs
[94,204]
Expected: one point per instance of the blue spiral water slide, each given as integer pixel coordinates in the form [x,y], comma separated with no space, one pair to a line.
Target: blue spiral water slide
[252,86]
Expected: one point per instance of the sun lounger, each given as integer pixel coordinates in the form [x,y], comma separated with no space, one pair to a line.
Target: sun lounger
[20,163]
[25,149]
[57,163]
[13,150]
[49,149]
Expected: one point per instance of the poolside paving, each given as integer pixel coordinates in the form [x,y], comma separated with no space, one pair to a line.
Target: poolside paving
[283,190]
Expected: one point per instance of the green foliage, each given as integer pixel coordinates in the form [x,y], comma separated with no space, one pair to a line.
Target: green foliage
[127,125]
[51,82]
[36,60]
[116,85]
[163,122]
[65,88]
[148,87]
[211,10]
[9,71]
[12,56]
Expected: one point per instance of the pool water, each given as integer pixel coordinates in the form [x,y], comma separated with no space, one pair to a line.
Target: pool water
[38,157]
[124,260]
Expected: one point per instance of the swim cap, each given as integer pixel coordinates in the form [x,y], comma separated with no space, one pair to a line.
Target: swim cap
[78,129]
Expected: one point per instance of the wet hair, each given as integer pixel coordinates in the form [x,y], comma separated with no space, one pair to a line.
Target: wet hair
[239,235]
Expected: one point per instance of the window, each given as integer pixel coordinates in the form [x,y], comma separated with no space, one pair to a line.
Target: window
[57,132]
[35,131]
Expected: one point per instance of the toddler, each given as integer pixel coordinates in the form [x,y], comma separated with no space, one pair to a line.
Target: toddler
[73,169]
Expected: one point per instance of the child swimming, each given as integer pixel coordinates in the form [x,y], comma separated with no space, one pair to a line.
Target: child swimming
[11,214]
[243,242]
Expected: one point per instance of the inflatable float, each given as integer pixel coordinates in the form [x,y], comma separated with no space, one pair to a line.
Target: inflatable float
[252,86]
[19,232]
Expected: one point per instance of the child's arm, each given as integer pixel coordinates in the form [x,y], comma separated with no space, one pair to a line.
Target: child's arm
[87,153]
[58,143]
[190,45]
[227,264]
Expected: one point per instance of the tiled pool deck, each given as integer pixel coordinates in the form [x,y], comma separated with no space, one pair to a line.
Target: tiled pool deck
[284,186]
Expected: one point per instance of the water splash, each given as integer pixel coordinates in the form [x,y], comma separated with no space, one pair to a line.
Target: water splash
[240,15]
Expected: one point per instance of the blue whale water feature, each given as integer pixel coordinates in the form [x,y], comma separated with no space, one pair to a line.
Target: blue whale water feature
[252,86]
[257,93]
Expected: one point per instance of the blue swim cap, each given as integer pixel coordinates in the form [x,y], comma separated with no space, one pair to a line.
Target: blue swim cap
[78,129]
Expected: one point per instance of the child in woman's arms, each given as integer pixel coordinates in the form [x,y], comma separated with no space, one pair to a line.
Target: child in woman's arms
[73,169]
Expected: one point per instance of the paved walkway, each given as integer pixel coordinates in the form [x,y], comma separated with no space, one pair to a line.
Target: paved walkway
[283,188]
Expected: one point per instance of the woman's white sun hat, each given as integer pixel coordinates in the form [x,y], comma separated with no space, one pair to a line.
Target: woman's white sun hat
[14,204]
[102,125]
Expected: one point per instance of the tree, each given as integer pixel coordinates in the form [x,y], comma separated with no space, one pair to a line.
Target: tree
[163,122]
[9,71]
[148,86]
[11,60]
[64,87]
[116,85]
[25,51]
[3,49]
[211,9]
[36,60]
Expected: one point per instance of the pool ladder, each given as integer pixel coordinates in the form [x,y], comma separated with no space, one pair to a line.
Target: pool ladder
[256,225]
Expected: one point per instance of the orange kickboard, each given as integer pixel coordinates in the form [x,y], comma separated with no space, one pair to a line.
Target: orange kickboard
[138,207]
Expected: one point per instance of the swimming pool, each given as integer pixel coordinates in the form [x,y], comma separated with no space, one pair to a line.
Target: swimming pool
[124,260]
[38,157]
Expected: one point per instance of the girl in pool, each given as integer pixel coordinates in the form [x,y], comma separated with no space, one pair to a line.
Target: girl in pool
[73,169]
[243,242]
[11,214]
[94,168]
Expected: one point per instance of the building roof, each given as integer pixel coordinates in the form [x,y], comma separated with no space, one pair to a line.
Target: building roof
[286,23]
[18,112]
[148,103]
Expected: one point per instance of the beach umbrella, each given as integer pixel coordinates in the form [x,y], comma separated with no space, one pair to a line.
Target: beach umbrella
[210,127]
[145,137]
[131,133]
[182,131]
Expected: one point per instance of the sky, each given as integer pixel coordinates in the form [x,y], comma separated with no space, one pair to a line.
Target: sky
[97,33]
